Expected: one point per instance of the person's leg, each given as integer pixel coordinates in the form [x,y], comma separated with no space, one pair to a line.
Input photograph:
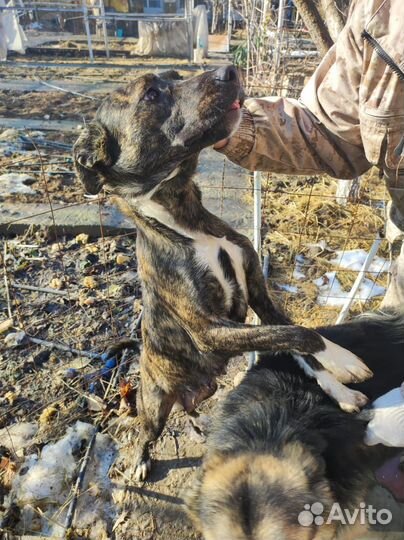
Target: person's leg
[394,297]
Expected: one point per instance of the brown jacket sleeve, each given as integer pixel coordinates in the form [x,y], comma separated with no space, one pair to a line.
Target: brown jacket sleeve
[282,135]
[319,133]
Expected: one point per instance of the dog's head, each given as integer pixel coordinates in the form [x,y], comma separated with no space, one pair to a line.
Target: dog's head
[261,497]
[143,132]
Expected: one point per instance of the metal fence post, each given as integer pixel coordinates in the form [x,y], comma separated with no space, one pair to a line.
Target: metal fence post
[87,27]
[104,27]
[188,18]
[257,240]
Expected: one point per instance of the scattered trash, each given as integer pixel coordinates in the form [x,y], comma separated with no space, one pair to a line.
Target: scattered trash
[82,238]
[298,274]
[95,403]
[288,288]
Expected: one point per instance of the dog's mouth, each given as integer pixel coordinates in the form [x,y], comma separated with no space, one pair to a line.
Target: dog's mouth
[236,105]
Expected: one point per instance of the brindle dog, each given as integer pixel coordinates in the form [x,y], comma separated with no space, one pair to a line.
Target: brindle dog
[199,276]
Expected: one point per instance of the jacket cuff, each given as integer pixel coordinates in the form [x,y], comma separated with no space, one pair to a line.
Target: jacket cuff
[242,142]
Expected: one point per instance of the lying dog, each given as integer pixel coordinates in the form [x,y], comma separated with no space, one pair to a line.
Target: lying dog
[279,445]
[198,274]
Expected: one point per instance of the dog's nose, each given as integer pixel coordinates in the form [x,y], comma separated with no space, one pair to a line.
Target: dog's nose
[226,74]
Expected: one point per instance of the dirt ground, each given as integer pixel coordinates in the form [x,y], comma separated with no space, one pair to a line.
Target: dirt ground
[86,295]
[99,300]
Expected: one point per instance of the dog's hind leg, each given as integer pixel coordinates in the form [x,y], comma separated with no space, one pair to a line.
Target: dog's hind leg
[153,407]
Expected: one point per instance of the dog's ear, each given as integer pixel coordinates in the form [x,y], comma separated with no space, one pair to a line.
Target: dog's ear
[170,75]
[92,148]
[92,152]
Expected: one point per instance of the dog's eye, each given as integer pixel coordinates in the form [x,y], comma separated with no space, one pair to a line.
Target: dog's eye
[151,95]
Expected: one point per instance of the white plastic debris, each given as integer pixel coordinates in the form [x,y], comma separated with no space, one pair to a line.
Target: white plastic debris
[387,425]
[11,30]
[13,183]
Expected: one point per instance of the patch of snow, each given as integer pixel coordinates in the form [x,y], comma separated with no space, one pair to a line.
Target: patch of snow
[48,473]
[49,477]
[354,259]
[332,294]
[18,436]
[289,288]
[13,183]
[297,273]
[9,135]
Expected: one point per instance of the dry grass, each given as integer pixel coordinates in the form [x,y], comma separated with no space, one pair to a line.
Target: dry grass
[304,221]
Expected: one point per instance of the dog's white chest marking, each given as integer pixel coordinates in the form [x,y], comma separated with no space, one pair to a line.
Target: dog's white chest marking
[207,251]
[207,248]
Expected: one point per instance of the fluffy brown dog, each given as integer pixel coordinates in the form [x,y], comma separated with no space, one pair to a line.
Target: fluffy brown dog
[279,445]
[199,275]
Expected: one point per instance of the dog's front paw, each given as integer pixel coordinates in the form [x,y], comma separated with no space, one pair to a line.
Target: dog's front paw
[344,364]
[352,401]
[349,400]
[142,469]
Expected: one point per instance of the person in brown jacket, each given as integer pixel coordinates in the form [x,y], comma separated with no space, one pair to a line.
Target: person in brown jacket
[350,116]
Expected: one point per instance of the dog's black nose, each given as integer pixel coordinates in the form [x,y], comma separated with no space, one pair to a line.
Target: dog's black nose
[226,74]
